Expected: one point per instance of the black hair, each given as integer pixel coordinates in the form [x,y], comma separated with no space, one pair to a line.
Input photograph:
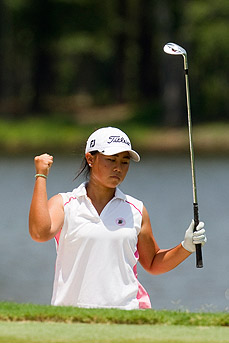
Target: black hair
[84,168]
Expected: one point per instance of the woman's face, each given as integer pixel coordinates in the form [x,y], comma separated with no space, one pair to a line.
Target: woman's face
[111,170]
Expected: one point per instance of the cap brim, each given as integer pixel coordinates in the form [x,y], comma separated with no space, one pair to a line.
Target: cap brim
[112,151]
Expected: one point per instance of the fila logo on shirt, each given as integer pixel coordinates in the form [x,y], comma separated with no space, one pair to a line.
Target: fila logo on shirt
[120,221]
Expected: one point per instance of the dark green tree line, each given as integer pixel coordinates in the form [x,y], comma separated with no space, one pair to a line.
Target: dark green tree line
[111,51]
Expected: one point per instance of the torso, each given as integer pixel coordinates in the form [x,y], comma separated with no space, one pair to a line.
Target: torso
[97,252]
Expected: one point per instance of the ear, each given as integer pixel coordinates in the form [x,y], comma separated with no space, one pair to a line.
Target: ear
[90,158]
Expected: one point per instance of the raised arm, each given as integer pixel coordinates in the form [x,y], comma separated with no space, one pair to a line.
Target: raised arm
[46,217]
[158,261]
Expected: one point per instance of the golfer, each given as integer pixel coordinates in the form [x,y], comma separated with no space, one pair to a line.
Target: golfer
[100,232]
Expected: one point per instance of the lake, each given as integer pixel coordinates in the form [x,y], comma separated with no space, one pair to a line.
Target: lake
[164,185]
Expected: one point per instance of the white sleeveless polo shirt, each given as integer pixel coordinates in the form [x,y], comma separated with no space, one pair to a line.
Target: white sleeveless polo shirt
[96,264]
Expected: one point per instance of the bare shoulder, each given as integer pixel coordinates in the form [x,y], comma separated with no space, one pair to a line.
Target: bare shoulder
[56,211]
[146,224]
[56,201]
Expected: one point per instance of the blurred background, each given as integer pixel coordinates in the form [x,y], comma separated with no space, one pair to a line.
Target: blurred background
[68,67]
[92,61]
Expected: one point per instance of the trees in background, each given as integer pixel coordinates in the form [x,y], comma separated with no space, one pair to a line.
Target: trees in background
[111,52]
[206,31]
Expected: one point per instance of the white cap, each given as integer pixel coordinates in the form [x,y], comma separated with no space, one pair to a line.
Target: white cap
[110,141]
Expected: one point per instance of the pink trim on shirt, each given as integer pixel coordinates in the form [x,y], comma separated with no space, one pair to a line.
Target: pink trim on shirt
[57,237]
[72,198]
[142,296]
[134,207]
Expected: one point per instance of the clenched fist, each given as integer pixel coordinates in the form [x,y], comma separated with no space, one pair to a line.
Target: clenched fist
[43,163]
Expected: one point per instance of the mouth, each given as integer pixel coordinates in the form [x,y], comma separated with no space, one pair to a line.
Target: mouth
[115,177]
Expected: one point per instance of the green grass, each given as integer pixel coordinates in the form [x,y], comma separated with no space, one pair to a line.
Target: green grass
[57,134]
[30,312]
[103,333]
[44,323]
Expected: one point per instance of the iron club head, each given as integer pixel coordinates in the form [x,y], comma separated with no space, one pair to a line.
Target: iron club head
[175,49]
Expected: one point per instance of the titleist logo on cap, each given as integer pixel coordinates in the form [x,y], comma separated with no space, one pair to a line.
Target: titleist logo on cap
[117,139]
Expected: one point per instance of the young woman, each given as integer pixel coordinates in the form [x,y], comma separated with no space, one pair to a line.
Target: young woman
[100,232]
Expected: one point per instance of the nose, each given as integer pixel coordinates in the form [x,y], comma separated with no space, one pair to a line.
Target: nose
[117,167]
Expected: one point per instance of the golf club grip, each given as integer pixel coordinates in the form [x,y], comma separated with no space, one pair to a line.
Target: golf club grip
[199,259]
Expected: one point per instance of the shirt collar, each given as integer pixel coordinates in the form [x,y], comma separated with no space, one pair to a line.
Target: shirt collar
[119,194]
[81,191]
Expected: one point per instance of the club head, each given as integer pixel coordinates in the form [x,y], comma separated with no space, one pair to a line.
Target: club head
[175,49]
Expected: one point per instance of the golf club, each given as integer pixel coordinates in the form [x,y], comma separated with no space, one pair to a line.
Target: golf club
[174,49]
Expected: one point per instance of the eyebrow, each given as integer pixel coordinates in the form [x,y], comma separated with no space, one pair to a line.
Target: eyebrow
[127,156]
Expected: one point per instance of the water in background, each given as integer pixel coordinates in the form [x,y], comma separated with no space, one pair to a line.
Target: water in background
[164,184]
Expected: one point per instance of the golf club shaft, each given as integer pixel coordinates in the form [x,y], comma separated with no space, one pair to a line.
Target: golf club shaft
[199,260]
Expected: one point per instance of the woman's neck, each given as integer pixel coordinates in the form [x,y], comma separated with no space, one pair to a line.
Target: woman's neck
[99,195]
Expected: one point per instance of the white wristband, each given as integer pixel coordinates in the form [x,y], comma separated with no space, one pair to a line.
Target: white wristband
[42,175]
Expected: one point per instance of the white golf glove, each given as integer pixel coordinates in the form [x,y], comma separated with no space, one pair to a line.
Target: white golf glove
[197,237]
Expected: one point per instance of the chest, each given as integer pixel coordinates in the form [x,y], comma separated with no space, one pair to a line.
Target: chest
[118,222]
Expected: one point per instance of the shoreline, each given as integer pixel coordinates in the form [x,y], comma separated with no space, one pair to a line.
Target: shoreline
[36,135]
